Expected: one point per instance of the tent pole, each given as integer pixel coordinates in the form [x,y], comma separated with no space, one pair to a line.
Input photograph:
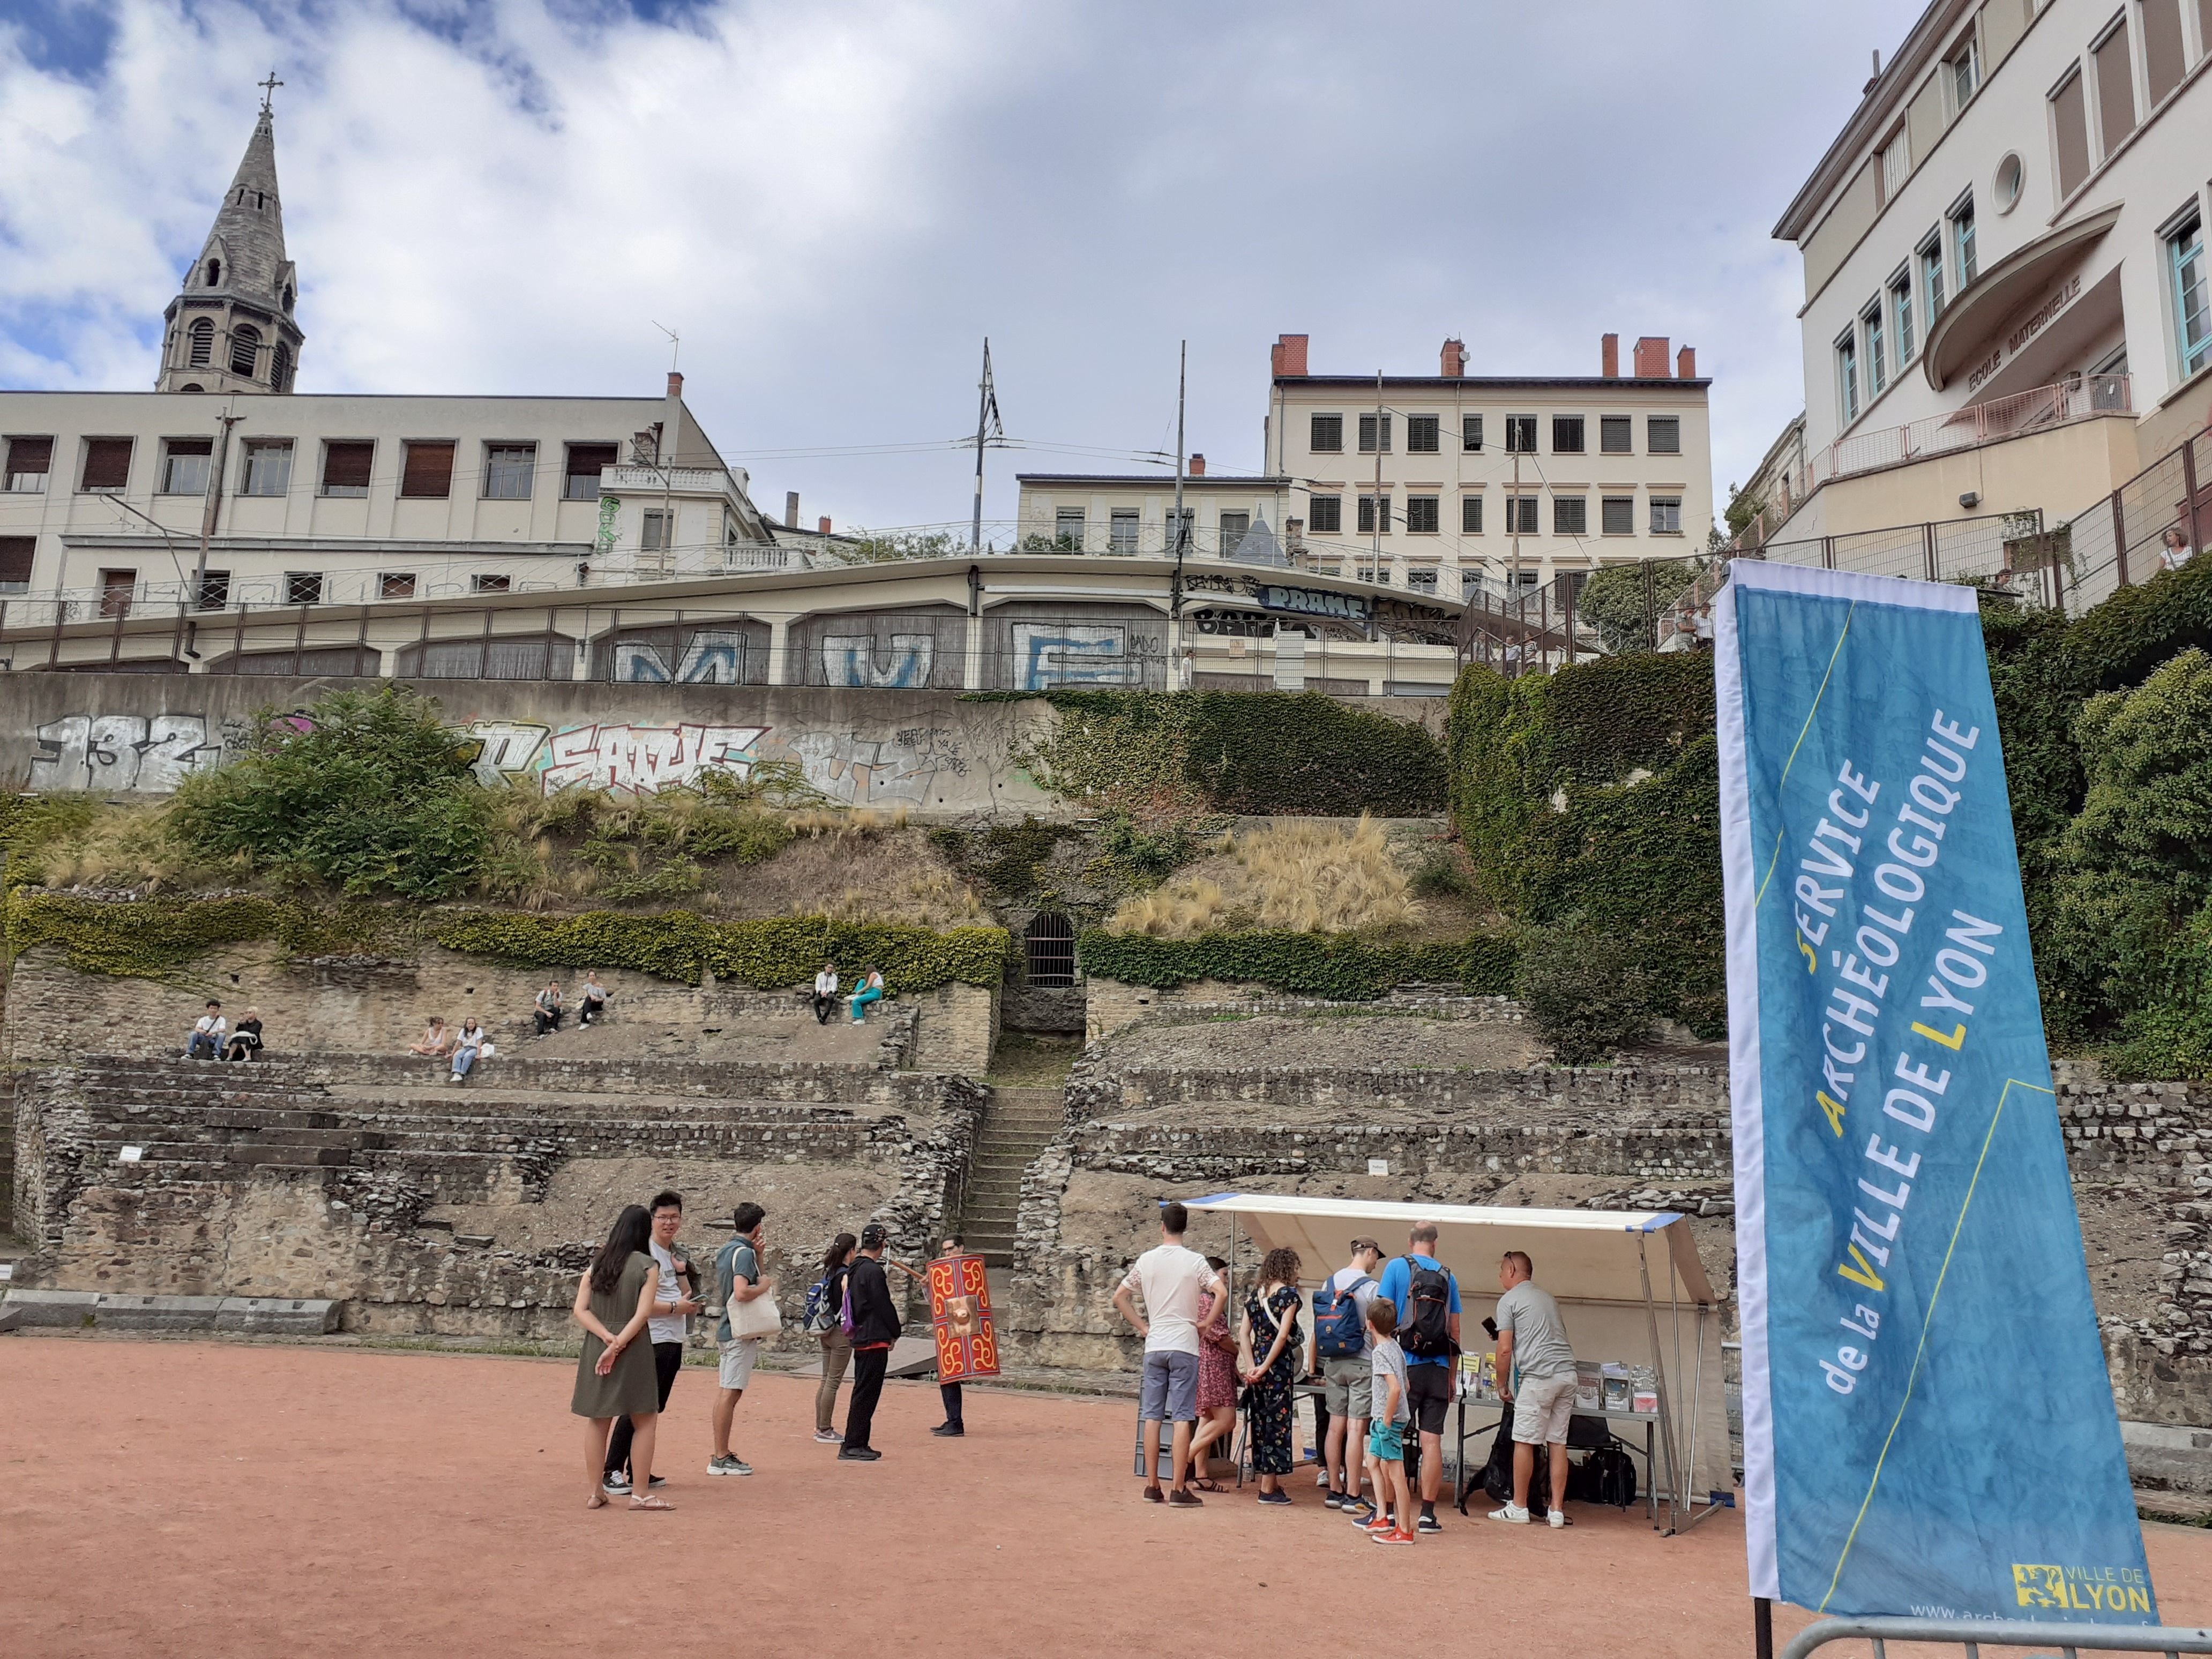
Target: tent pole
[1659,1366]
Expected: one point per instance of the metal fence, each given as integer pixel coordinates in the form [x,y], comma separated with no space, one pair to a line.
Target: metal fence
[1973,1636]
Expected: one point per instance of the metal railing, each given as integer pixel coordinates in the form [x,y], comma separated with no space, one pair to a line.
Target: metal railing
[2080,397]
[1974,1634]
[2118,542]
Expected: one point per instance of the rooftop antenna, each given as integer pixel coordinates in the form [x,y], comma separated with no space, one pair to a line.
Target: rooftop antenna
[675,344]
[988,428]
[268,89]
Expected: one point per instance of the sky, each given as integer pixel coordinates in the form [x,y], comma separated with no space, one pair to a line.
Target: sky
[832,205]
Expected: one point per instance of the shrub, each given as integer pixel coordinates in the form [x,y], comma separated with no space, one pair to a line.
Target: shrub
[1337,966]
[1290,878]
[1614,600]
[1587,990]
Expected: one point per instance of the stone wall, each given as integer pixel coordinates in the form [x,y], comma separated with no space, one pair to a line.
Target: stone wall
[1111,1006]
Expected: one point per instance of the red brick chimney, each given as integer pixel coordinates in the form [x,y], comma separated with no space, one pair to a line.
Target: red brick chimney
[675,384]
[1685,364]
[1196,467]
[822,524]
[1608,351]
[1651,357]
[1287,355]
[1454,365]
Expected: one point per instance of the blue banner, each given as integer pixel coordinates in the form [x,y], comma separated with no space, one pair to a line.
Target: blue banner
[1929,1427]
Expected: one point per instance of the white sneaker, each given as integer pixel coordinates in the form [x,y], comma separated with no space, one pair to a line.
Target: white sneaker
[1518,1516]
[1559,1518]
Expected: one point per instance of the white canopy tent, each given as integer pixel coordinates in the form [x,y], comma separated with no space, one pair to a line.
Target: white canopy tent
[1629,1284]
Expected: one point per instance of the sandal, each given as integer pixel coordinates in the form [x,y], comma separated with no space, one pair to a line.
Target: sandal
[651,1503]
[1207,1485]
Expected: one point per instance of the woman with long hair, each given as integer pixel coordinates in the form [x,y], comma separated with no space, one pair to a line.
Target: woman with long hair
[1217,1378]
[829,1300]
[615,1374]
[1271,1318]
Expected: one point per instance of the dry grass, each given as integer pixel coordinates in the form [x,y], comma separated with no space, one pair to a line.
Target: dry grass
[1304,878]
[81,841]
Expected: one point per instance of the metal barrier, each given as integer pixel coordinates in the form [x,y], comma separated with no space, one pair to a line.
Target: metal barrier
[1975,1634]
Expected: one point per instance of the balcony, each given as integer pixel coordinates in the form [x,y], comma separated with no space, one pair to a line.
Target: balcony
[2080,397]
[674,480]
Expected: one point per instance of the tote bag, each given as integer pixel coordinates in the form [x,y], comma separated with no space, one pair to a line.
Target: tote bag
[758,1317]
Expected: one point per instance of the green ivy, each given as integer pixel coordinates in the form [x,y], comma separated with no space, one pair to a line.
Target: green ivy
[1337,966]
[158,938]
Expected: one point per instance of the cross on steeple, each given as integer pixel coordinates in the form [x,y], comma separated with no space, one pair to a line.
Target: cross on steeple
[268,89]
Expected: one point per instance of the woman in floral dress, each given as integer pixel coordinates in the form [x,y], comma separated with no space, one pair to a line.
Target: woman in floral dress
[1217,1378]
[1268,1349]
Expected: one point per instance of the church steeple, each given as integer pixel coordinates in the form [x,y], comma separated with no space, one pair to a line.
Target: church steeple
[231,328]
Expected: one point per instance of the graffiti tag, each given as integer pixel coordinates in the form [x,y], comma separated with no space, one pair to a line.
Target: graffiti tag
[642,760]
[122,752]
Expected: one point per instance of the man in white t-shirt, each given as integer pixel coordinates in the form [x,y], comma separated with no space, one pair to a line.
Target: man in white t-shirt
[1171,1280]
[1339,1321]
[825,994]
[672,1302]
[206,1040]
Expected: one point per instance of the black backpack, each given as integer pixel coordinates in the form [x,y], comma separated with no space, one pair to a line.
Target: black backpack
[1497,1474]
[1426,1334]
[1609,1474]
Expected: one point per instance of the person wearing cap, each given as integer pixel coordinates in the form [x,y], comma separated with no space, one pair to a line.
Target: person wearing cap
[1347,1373]
[875,1328]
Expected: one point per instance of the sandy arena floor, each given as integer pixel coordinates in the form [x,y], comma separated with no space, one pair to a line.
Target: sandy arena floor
[209,1499]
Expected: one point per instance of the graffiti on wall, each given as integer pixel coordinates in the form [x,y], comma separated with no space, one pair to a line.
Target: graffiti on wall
[122,752]
[864,771]
[849,660]
[715,657]
[1047,654]
[641,760]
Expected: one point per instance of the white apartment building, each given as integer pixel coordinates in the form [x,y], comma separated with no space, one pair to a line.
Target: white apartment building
[2005,283]
[1134,512]
[225,487]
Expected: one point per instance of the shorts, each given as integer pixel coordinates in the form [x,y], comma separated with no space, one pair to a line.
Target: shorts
[1386,1443]
[1428,1391]
[1170,1393]
[1541,1409]
[737,1361]
[1348,1385]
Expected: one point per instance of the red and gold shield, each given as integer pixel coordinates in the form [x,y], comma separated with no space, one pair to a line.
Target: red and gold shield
[960,1313]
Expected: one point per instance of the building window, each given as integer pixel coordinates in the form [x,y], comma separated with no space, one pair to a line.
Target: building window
[214,589]
[1121,529]
[346,468]
[2009,179]
[1617,515]
[1965,65]
[1470,431]
[1570,515]
[1421,581]
[1367,504]
[214,273]
[1616,434]
[1380,575]
[581,480]
[117,588]
[429,474]
[1847,375]
[1233,528]
[1567,434]
[1896,168]
[1470,515]
[1520,435]
[1962,240]
[185,463]
[396,585]
[509,470]
[654,538]
[2164,56]
[1325,515]
[106,466]
[2070,125]
[1327,434]
[280,368]
[303,587]
[1662,435]
[1666,516]
[1521,515]
[1367,430]
[244,349]
[1067,529]
[201,352]
[1900,312]
[29,460]
[481,583]
[1422,437]
[1179,528]
[2193,318]
[267,470]
[1931,279]
[16,553]
[1422,514]
[2115,87]
[1049,946]
[1877,358]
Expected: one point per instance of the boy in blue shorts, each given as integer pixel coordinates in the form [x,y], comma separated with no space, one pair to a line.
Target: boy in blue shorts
[1386,1443]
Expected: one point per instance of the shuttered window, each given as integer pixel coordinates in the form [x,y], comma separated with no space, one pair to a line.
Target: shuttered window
[1617,515]
[1422,514]
[2116,87]
[1567,434]
[430,471]
[29,459]
[16,553]
[1421,435]
[346,468]
[106,464]
[1325,515]
[1470,515]
[1521,515]
[1470,431]
[1367,513]
[1367,428]
[1328,433]
[581,483]
[1520,435]
[1662,435]
[1570,515]
[1616,434]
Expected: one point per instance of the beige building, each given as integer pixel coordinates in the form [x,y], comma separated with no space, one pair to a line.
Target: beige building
[2005,284]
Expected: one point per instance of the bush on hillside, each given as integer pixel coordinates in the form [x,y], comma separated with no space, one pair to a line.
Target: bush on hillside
[1614,603]
[1585,989]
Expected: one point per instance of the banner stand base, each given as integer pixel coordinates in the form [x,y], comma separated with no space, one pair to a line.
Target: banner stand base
[1762,1627]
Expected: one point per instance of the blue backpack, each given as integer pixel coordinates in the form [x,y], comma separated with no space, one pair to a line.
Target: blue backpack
[822,1311]
[1338,1331]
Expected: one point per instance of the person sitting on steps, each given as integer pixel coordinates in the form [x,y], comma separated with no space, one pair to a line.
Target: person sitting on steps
[871,989]
[473,1043]
[245,1037]
[547,1011]
[593,999]
[437,1042]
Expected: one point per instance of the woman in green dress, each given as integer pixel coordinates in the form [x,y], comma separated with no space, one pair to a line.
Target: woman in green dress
[615,1374]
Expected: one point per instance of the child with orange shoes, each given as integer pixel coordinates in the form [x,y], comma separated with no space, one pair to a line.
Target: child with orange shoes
[1386,1446]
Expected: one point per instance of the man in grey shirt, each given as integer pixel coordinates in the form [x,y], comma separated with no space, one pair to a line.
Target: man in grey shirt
[1536,1378]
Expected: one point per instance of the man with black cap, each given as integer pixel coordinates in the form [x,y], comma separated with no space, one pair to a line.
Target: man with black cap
[875,1328]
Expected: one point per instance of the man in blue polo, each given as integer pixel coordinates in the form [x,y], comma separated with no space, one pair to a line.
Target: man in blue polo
[1426,1297]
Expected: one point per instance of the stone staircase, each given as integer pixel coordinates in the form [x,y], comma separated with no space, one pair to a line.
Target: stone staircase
[1018,1124]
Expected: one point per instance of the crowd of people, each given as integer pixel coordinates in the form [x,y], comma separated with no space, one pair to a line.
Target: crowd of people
[634,1304]
[1383,1354]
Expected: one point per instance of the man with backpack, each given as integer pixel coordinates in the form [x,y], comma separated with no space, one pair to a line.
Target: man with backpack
[1343,1354]
[738,1278]
[1536,1379]
[1426,1297]
[875,1328]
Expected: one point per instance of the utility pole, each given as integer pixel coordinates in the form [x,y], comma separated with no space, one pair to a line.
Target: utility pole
[986,424]
[1181,534]
[213,505]
[1513,506]
[1377,515]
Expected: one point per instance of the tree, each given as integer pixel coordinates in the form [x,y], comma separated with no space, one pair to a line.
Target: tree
[1613,600]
